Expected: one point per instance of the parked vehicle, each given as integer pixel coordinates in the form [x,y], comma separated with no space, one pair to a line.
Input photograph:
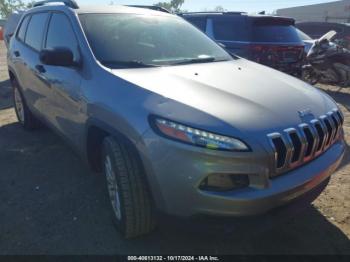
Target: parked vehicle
[269,40]
[2,24]
[328,62]
[11,25]
[174,122]
[318,29]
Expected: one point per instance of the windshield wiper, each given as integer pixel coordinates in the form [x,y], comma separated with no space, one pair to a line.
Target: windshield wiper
[126,64]
[198,60]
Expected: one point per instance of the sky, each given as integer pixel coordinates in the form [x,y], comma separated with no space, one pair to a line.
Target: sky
[232,5]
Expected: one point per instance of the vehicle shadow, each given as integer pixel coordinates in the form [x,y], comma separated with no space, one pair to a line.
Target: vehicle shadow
[5,94]
[52,204]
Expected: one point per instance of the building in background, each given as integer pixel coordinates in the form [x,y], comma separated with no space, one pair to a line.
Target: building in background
[338,12]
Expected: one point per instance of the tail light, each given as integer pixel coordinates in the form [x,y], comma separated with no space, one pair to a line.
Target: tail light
[271,53]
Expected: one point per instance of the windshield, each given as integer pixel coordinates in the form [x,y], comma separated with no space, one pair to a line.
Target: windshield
[130,40]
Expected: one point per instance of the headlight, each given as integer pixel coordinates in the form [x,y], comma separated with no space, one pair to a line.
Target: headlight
[197,137]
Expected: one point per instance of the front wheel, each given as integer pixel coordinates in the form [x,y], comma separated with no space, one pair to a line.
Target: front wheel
[127,189]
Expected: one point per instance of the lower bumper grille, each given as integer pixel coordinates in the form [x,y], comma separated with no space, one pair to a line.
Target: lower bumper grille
[296,146]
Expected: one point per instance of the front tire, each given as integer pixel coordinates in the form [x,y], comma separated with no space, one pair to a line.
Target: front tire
[127,188]
[24,115]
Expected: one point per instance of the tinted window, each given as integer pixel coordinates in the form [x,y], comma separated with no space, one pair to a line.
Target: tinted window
[199,22]
[275,33]
[233,28]
[23,28]
[60,34]
[154,40]
[35,30]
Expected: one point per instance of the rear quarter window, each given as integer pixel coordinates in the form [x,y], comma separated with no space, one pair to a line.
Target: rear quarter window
[231,28]
[35,30]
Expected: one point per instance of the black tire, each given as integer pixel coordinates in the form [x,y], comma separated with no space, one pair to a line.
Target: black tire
[136,216]
[24,115]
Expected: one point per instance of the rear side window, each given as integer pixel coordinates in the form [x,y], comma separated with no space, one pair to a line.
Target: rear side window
[231,28]
[199,22]
[275,34]
[35,30]
[61,34]
[22,30]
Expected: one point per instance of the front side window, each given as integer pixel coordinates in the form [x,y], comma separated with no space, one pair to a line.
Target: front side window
[60,34]
[35,31]
[132,39]
[23,29]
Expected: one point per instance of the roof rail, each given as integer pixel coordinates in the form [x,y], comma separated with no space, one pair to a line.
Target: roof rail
[152,7]
[215,12]
[69,3]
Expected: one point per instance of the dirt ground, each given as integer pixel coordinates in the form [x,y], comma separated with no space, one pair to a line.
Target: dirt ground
[51,204]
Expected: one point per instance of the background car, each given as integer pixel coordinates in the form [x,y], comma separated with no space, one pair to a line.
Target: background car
[317,29]
[269,40]
[2,24]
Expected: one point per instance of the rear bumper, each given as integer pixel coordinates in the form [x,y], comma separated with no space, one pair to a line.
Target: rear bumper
[175,172]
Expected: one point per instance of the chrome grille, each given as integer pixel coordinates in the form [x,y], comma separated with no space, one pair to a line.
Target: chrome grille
[295,146]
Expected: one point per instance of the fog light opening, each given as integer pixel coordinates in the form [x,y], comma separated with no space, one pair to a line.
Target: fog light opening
[224,182]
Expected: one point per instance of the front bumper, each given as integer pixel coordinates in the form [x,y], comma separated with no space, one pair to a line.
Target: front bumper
[175,172]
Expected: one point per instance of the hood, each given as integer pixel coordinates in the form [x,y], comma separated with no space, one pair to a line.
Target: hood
[248,96]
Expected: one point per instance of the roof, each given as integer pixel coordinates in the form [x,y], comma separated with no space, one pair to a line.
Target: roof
[257,18]
[213,13]
[108,9]
[118,9]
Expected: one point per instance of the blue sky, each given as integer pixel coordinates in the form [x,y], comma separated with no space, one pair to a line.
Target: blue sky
[233,5]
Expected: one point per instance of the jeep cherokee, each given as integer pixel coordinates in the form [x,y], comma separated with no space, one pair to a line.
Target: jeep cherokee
[173,121]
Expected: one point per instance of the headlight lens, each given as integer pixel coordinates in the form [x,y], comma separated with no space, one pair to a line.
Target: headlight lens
[197,137]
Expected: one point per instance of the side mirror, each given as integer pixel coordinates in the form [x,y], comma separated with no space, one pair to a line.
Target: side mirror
[59,56]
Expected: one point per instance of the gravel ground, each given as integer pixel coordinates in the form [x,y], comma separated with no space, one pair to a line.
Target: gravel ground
[52,204]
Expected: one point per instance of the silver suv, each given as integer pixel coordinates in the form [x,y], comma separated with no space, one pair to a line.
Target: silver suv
[173,121]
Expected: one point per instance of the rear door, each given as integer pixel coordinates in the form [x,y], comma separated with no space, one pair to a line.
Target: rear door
[18,51]
[27,52]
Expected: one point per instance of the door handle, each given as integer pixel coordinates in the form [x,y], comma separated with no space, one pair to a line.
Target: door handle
[17,53]
[41,69]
